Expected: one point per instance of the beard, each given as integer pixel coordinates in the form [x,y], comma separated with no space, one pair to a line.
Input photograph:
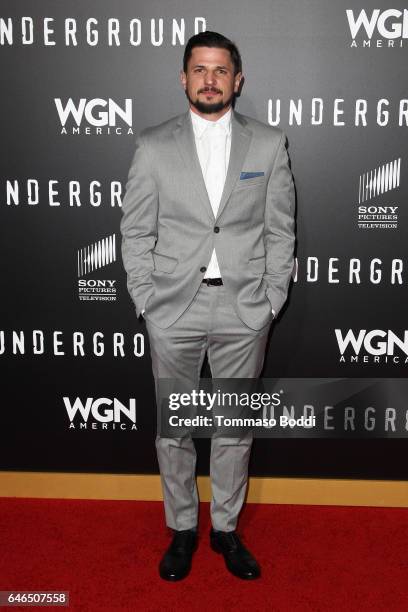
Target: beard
[207,108]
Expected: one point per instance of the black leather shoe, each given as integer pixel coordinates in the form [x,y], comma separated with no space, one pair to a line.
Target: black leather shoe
[176,562]
[238,559]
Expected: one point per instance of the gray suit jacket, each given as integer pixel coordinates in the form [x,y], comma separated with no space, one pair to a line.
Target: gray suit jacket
[169,230]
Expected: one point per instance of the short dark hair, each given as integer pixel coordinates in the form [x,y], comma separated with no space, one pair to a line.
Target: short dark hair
[213,39]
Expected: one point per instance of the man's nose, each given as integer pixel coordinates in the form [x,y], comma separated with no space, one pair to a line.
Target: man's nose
[210,78]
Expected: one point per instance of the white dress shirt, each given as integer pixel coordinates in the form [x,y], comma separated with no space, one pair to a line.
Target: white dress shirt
[213,143]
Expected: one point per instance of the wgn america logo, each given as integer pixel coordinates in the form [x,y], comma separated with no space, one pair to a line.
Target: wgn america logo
[102,413]
[97,116]
[386,28]
[92,258]
[372,346]
[372,184]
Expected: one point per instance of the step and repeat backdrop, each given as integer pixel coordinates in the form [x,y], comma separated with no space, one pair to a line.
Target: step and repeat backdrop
[79,81]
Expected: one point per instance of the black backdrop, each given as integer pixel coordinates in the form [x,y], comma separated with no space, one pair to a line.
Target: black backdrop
[58,247]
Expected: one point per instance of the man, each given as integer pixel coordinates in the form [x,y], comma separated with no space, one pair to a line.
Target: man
[208,237]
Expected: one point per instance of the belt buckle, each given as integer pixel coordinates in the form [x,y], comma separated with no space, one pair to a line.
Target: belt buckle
[214,282]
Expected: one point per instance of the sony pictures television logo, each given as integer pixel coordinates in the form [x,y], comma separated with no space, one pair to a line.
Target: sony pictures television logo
[372,185]
[382,28]
[94,117]
[101,413]
[90,259]
[372,346]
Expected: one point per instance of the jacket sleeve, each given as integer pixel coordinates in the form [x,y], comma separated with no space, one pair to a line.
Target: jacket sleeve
[139,226]
[279,232]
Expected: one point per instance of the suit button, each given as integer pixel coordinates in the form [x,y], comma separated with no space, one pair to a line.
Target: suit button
[203,269]
[216,229]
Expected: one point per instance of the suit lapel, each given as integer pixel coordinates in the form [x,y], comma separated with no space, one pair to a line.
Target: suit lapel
[184,137]
[240,139]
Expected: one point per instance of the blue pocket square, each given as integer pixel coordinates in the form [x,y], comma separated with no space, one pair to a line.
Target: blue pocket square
[249,175]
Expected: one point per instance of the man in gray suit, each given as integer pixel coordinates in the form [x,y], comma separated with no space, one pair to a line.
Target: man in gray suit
[208,238]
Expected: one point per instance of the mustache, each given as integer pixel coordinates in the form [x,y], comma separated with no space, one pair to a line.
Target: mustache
[205,89]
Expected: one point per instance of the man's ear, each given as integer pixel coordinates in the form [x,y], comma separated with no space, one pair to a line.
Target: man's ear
[237,81]
[183,79]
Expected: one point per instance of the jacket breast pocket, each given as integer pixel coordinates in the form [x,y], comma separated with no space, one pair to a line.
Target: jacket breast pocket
[251,182]
[257,264]
[164,263]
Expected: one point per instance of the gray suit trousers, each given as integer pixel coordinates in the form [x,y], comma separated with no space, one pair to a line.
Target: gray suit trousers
[209,325]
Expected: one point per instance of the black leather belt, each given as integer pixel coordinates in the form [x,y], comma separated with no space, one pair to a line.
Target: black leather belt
[213,281]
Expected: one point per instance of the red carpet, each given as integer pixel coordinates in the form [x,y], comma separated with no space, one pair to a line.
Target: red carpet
[105,553]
